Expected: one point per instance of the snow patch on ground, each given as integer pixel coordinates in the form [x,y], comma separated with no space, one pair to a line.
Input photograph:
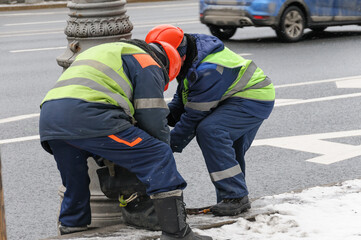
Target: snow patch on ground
[319,213]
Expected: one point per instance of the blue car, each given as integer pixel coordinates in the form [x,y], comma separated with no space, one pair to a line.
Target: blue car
[288,18]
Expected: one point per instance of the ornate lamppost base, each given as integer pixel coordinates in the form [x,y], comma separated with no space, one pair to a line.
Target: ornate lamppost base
[90,23]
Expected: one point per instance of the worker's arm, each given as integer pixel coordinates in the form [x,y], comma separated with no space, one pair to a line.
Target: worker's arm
[176,108]
[206,88]
[148,100]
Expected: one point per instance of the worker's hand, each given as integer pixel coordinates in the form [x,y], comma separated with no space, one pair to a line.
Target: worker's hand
[171,120]
[176,148]
[178,141]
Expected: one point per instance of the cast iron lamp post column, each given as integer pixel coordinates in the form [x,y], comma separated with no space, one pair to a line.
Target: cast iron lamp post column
[93,22]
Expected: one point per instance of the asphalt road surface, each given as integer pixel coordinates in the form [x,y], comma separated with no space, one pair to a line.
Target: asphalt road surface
[313,136]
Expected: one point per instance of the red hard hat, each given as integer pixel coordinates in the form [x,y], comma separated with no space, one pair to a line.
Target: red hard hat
[166,33]
[173,58]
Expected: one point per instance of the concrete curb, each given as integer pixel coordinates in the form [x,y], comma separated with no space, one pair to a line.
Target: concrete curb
[48,4]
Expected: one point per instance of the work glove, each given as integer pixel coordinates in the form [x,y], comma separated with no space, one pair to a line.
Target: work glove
[176,148]
[179,142]
[171,120]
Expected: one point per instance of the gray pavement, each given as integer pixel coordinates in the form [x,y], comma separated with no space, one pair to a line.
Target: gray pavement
[26,6]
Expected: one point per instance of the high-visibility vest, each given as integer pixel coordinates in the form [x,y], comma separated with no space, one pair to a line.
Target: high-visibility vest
[97,75]
[251,82]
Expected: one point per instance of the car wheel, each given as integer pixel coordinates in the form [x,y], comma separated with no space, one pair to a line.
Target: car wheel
[222,33]
[292,25]
[318,29]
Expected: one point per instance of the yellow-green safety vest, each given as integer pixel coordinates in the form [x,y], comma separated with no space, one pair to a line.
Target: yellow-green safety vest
[97,75]
[251,82]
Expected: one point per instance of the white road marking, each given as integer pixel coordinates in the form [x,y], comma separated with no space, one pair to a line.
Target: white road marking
[37,49]
[33,23]
[356,78]
[17,118]
[31,31]
[31,34]
[283,101]
[330,152]
[312,100]
[20,139]
[352,83]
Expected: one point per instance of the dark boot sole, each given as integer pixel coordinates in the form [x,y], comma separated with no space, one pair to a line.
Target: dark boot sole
[232,212]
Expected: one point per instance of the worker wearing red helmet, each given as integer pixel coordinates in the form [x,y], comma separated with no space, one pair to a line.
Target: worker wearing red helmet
[222,100]
[109,103]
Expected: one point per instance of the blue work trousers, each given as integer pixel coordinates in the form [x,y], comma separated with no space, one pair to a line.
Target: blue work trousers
[150,159]
[224,137]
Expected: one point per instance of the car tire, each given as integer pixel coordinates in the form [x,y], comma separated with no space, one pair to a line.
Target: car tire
[292,24]
[223,33]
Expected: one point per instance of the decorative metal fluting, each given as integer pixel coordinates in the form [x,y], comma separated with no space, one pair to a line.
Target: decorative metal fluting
[90,23]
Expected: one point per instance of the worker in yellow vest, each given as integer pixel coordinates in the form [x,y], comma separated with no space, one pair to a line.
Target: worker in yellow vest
[109,103]
[222,99]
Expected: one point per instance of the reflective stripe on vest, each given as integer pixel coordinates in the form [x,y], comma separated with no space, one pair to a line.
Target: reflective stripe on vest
[250,78]
[144,103]
[97,75]
[122,102]
[124,84]
[241,81]
[202,106]
[228,173]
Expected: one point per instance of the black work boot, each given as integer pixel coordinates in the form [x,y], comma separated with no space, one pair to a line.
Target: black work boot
[231,206]
[141,213]
[67,230]
[171,213]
